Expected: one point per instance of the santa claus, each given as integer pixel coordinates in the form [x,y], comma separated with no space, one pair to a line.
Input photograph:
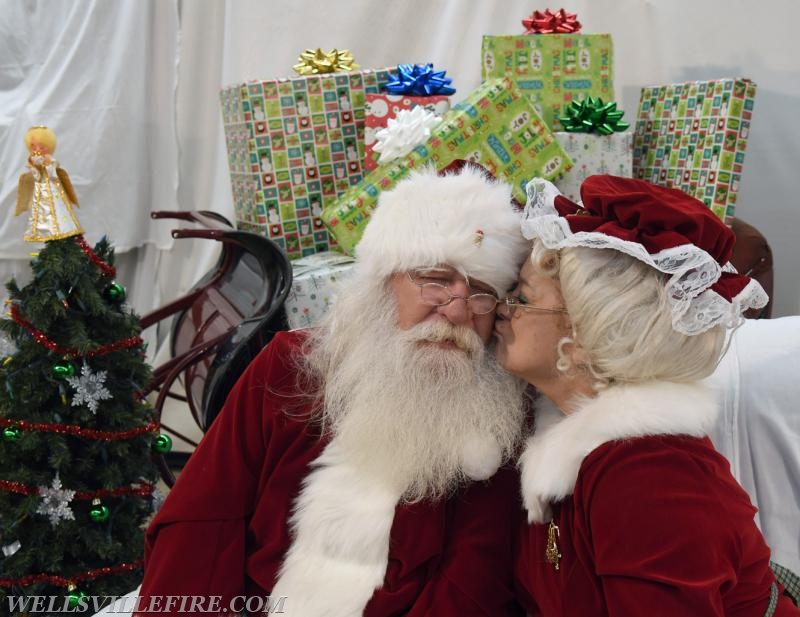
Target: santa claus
[362,468]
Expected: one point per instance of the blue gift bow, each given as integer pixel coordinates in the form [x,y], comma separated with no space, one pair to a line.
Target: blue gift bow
[419,80]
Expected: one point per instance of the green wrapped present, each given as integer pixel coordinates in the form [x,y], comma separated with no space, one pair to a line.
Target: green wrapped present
[294,145]
[553,69]
[495,126]
[692,136]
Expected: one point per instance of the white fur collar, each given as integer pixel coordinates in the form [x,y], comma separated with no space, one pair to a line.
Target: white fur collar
[341,525]
[553,455]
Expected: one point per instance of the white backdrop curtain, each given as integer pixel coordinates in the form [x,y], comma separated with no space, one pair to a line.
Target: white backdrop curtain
[131,89]
[103,76]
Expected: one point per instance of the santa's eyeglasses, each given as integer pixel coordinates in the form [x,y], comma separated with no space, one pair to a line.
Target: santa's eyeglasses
[434,290]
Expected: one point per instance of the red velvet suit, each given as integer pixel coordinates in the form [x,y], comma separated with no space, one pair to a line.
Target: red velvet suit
[223,529]
[654,525]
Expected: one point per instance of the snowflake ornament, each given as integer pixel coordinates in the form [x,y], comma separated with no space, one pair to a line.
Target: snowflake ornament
[405,132]
[89,388]
[7,346]
[55,502]
[158,499]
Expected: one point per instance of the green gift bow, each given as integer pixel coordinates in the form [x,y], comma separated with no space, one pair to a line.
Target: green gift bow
[592,115]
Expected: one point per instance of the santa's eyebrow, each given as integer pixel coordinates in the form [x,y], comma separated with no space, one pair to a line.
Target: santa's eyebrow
[475,284]
[437,270]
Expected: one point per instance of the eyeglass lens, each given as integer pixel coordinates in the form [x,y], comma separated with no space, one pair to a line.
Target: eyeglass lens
[434,286]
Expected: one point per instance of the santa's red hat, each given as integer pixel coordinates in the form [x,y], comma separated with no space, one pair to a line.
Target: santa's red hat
[663,227]
[462,217]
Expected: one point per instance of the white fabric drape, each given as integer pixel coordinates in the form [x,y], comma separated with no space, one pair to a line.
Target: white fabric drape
[131,88]
[103,76]
[758,429]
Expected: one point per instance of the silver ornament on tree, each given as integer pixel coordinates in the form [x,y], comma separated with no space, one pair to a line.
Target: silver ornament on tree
[55,502]
[158,498]
[11,549]
[7,346]
[90,388]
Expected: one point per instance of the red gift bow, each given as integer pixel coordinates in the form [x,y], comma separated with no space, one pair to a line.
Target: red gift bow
[549,22]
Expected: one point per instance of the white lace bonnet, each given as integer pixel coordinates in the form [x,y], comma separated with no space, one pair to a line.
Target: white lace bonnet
[663,227]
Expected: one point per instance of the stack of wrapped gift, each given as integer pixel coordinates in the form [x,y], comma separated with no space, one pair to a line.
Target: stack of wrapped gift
[692,136]
[314,286]
[412,86]
[495,125]
[295,144]
[568,77]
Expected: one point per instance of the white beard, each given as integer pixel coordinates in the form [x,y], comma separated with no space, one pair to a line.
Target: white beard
[409,421]
[421,418]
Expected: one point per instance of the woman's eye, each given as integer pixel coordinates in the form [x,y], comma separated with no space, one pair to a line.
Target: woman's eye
[522,299]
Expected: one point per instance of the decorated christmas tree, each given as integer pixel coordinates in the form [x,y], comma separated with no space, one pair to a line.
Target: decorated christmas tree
[76,477]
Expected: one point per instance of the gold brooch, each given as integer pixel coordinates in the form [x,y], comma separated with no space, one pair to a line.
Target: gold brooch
[478,238]
[551,552]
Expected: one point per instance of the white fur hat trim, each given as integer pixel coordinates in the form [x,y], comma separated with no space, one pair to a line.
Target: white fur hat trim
[464,220]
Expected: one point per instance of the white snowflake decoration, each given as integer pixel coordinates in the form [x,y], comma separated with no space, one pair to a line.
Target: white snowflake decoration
[7,346]
[55,502]
[405,132]
[89,388]
[158,499]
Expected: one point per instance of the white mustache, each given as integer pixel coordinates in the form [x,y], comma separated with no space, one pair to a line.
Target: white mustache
[443,331]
